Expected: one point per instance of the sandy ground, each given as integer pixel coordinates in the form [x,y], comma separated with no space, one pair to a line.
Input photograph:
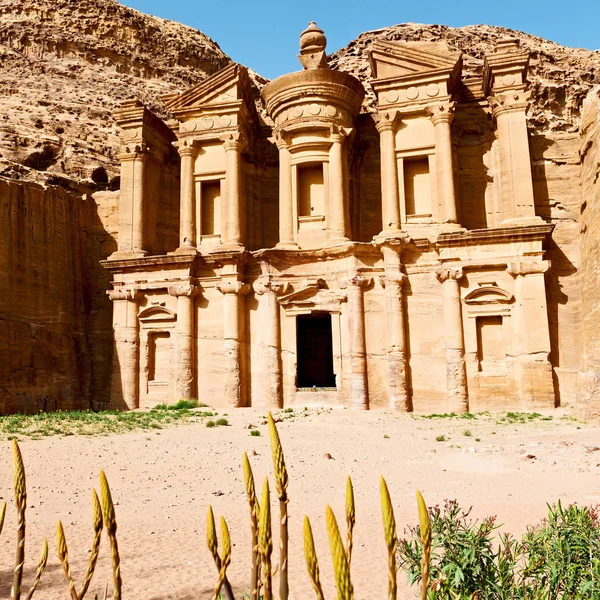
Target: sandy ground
[162,482]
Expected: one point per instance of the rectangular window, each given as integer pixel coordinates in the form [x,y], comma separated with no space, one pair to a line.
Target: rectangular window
[211,207]
[417,187]
[311,191]
[490,344]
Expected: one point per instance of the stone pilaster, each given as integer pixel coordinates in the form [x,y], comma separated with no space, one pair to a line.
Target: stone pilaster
[187,230]
[505,82]
[516,185]
[185,364]
[286,207]
[386,124]
[396,341]
[272,389]
[233,218]
[441,116]
[359,393]
[125,374]
[532,366]
[131,204]
[233,292]
[456,374]
[338,209]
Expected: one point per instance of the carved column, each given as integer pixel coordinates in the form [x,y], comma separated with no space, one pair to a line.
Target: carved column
[441,117]
[396,338]
[286,208]
[139,176]
[233,229]
[187,234]
[386,126]
[337,200]
[125,375]
[516,185]
[185,364]
[131,205]
[532,336]
[233,331]
[359,393]
[271,332]
[456,374]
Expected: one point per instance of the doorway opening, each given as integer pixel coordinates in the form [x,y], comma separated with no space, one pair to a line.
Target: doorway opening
[315,351]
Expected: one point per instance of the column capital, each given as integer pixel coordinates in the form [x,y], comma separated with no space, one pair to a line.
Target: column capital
[359,281]
[510,101]
[281,139]
[130,153]
[122,293]
[264,285]
[448,273]
[339,134]
[523,268]
[183,289]
[233,287]
[442,112]
[233,141]
[392,279]
[386,121]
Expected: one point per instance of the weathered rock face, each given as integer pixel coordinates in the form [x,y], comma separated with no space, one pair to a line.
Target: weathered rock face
[560,76]
[64,67]
[55,337]
[588,393]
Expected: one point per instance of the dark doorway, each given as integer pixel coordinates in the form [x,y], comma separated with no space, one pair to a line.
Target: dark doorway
[315,351]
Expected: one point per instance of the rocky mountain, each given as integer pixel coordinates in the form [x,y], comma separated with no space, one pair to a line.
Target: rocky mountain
[560,77]
[66,64]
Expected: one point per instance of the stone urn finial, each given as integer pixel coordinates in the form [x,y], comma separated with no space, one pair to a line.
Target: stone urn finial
[312,47]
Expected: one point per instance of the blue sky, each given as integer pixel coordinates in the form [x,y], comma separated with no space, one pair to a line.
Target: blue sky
[263,34]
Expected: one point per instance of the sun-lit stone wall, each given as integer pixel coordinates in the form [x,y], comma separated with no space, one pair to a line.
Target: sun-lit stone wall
[55,340]
[588,391]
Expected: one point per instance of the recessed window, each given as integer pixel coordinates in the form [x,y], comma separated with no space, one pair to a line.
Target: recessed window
[417,187]
[211,207]
[311,190]
[159,356]
[490,344]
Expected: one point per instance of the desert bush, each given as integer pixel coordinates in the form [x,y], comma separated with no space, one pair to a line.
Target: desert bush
[559,559]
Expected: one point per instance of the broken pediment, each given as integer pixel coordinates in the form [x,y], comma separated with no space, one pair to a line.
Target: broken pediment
[227,86]
[313,295]
[488,294]
[156,313]
[392,60]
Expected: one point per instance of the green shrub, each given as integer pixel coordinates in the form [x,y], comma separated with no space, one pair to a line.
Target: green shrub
[211,423]
[255,433]
[222,422]
[440,438]
[559,559]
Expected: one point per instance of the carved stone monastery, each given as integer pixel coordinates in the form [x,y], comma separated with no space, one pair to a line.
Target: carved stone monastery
[391,259]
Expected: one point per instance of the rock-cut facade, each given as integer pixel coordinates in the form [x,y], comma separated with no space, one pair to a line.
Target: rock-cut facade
[313,252]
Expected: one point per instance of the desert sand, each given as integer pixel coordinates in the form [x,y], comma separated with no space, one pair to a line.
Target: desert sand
[163,481]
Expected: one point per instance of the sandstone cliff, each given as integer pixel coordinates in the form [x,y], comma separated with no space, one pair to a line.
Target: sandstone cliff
[560,76]
[65,65]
